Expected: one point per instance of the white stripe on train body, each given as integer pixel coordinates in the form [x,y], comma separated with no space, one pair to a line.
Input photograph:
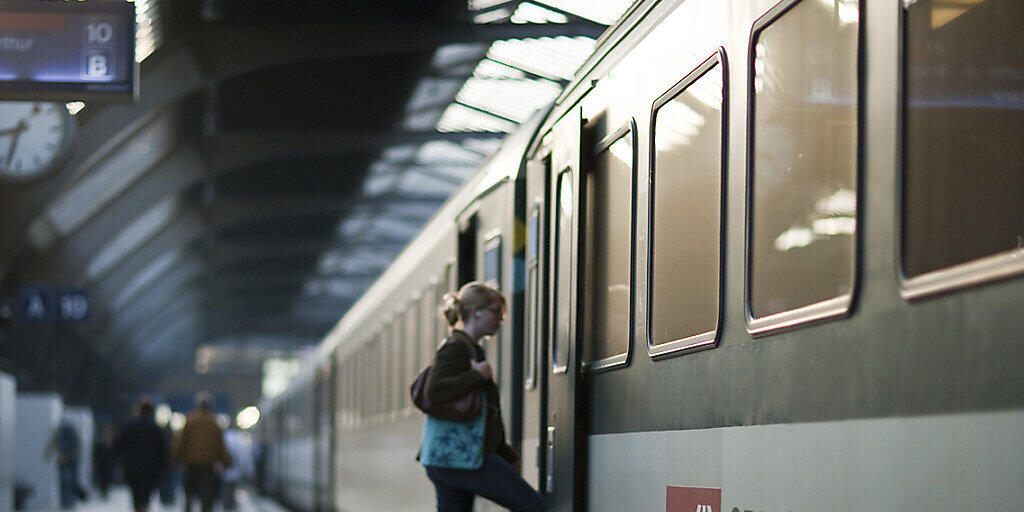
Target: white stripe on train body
[970,461]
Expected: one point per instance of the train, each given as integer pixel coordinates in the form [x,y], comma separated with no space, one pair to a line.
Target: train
[761,256]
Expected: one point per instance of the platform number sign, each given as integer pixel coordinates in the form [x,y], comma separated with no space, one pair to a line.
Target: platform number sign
[53,304]
[98,52]
[99,32]
[68,50]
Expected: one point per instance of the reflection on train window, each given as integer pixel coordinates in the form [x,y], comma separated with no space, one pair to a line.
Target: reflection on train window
[411,348]
[964,120]
[804,165]
[367,380]
[564,211]
[428,322]
[608,254]
[398,355]
[442,290]
[386,375]
[346,415]
[533,302]
[686,187]
[492,261]
[492,276]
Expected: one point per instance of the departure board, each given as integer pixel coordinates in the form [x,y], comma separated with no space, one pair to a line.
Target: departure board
[54,50]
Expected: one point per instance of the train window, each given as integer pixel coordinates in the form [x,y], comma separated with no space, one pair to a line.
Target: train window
[353,390]
[341,392]
[428,326]
[385,377]
[492,276]
[367,388]
[963,218]
[398,354]
[803,164]
[533,302]
[378,356]
[608,252]
[345,393]
[564,211]
[411,341]
[687,173]
[411,349]
[442,323]
[493,261]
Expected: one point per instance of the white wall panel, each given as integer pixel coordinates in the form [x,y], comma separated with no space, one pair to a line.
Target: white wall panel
[38,416]
[82,418]
[8,421]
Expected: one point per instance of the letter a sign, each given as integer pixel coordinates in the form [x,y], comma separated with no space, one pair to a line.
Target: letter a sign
[693,499]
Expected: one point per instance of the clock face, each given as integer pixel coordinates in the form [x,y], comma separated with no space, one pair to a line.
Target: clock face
[34,136]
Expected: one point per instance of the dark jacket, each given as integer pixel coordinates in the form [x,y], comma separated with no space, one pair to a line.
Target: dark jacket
[143,451]
[452,376]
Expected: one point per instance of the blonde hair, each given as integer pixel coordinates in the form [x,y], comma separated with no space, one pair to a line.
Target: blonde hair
[471,296]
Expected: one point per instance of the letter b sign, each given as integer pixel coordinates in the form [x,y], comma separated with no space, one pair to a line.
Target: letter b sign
[98,65]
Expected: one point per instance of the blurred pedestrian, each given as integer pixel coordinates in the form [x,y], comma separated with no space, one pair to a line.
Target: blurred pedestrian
[169,483]
[144,455]
[104,459]
[65,446]
[240,448]
[201,450]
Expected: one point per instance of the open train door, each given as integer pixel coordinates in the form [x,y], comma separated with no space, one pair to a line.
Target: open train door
[565,436]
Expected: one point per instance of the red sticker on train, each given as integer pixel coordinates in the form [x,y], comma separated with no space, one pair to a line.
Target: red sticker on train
[693,499]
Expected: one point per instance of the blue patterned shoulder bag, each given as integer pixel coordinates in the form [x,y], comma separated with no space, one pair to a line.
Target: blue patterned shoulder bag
[454,444]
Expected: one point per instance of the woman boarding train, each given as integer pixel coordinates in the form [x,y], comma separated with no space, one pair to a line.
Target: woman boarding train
[460,367]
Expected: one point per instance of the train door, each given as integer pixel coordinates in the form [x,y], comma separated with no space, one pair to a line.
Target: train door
[534,318]
[565,435]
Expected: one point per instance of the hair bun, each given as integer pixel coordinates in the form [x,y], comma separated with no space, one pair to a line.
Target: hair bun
[451,308]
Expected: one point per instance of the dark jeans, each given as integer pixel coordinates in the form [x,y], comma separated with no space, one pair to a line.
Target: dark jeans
[68,483]
[202,483]
[495,480]
[228,494]
[142,491]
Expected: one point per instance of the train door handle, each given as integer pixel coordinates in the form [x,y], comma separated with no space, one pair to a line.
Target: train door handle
[549,481]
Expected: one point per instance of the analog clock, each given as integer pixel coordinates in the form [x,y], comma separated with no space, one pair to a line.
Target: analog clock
[34,138]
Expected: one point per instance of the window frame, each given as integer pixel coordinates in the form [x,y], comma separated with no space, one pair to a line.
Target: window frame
[969,274]
[565,173]
[709,339]
[830,309]
[618,360]
[493,241]
[532,304]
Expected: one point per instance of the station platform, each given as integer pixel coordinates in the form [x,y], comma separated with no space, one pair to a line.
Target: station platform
[119,500]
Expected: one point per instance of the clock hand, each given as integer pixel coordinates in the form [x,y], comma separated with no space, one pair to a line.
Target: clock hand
[21,127]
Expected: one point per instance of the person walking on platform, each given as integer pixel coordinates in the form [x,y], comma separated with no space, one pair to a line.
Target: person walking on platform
[200,449]
[104,459]
[168,487]
[144,452]
[460,368]
[66,446]
[240,449]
